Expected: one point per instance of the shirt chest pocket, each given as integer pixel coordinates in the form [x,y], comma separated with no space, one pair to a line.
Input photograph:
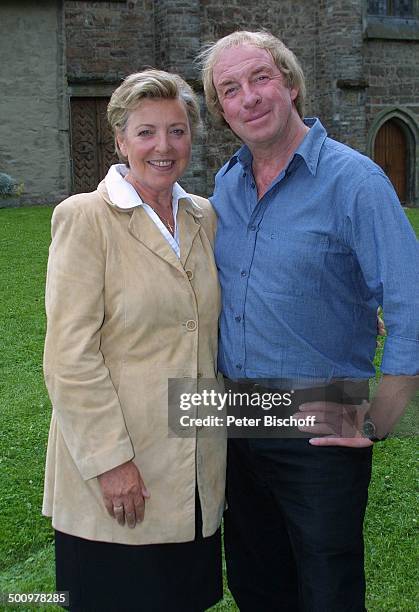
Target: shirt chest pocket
[295,263]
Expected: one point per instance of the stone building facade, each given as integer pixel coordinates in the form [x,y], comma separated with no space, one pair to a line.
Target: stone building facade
[360,59]
[34,145]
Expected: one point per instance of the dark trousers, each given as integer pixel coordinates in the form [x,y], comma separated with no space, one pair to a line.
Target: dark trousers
[293,528]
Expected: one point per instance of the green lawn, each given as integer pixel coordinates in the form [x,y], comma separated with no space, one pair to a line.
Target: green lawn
[413,216]
[26,555]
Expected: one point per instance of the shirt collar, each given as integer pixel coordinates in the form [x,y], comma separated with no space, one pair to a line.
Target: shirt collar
[308,150]
[184,199]
[243,157]
[123,195]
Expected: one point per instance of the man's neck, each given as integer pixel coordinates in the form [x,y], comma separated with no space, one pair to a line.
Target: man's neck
[271,158]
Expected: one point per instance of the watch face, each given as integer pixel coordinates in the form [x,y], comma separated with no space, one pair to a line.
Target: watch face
[368,429]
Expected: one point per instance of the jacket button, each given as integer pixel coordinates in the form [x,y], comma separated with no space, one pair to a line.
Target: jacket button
[191,325]
[189,274]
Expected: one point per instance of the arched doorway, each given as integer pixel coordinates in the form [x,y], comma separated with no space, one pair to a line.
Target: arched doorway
[391,152]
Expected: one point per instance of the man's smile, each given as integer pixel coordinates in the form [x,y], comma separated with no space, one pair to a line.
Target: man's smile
[253,118]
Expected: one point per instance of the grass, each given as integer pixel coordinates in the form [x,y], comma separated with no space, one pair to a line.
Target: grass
[413,216]
[26,553]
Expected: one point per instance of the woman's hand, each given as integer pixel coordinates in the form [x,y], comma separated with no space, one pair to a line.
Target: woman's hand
[124,493]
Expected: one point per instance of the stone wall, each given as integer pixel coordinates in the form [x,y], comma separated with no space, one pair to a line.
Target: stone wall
[351,76]
[340,85]
[34,123]
[178,24]
[108,40]
[391,69]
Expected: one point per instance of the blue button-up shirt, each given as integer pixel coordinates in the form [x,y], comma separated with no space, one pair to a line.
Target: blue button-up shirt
[304,268]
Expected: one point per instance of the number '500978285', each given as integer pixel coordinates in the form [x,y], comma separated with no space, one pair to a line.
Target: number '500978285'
[35,598]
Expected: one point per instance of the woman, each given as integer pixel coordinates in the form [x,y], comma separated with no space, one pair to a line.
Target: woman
[132,300]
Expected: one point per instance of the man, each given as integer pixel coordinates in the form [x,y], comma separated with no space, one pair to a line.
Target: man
[311,239]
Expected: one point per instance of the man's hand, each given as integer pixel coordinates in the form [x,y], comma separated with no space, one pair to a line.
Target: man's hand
[340,424]
[124,493]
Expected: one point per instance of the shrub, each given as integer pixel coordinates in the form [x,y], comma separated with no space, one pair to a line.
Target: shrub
[9,186]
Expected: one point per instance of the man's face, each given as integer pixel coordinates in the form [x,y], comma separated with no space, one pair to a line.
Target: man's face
[256,102]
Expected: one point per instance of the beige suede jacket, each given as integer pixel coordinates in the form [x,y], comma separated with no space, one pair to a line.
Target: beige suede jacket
[125,315]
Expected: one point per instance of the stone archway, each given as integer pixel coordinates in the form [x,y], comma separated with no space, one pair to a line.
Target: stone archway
[393,143]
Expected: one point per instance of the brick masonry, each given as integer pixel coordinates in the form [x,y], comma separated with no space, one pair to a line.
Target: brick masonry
[108,40]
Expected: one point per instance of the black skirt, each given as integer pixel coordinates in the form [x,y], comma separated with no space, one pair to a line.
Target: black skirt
[102,576]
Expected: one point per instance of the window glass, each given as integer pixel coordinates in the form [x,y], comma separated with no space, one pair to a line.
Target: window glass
[391,8]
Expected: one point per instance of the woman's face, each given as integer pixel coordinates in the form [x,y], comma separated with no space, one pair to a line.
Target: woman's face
[157,143]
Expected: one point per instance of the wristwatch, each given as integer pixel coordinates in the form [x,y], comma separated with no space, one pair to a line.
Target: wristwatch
[369,430]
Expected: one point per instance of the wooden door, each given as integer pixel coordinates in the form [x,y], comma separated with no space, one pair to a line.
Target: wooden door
[390,152]
[92,145]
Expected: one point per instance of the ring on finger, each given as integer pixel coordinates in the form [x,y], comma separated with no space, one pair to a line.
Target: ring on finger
[118,508]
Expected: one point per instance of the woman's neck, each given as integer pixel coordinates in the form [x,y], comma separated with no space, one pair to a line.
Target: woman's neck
[162,200]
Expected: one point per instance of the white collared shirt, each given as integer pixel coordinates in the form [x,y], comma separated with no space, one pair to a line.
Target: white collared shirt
[123,194]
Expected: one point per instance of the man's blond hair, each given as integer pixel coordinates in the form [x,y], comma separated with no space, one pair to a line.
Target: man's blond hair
[283,57]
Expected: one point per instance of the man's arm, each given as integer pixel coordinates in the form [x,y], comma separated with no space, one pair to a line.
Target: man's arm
[390,401]
[378,232]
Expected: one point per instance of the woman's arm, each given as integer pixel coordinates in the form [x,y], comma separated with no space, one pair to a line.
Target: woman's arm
[84,399]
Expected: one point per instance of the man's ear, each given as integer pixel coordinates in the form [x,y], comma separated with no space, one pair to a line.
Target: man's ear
[294,91]
[222,120]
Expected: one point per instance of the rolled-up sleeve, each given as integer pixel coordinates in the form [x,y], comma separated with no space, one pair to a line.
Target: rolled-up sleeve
[386,248]
[83,396]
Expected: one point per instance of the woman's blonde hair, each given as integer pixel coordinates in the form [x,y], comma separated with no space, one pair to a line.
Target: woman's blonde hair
[283,57]
[150,84]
